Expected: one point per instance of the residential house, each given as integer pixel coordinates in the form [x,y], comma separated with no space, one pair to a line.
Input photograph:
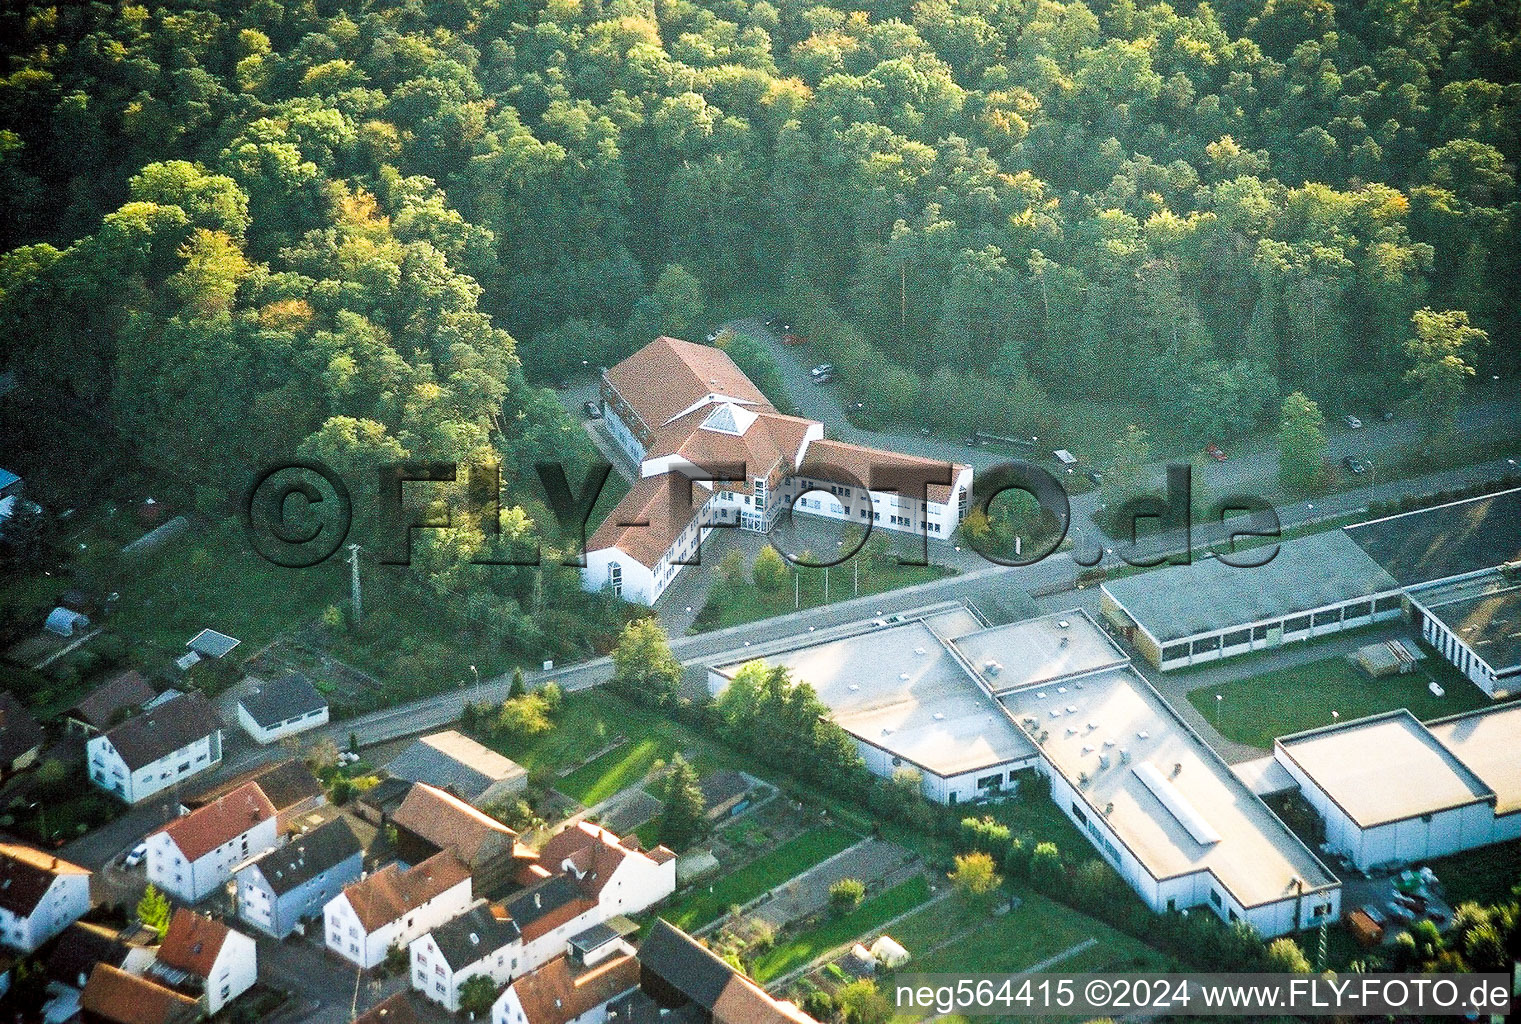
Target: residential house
[21,736]
[548,914]
[457,764]
[682,976]
[565,991]
[482,941]
[112,996]
[150,753]
[429,820]
[621,877]
[284,707]
[197,852]
[206,957]
[114,700]
[294,882]
[290,786]
[40,896]
[394,906]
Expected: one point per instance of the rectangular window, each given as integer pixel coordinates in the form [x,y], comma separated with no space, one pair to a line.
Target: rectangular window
[1214,897]
[1327,618]
[1259,632]
[1237,637]
[1077,812]
[1172,651]
[1297,624]
[1388,603]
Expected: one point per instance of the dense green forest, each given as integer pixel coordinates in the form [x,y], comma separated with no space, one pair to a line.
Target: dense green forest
[236,230]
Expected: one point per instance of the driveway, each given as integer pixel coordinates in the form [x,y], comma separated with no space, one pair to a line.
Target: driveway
[324,988]
[878,864]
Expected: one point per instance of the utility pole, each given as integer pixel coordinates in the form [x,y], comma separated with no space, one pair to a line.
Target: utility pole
[354,595]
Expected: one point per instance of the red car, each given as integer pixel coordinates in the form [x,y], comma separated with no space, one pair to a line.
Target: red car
[793,339]
[1214,452]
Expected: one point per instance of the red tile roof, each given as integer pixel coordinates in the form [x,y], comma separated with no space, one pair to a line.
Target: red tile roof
[203,830]
[447,822]
[860,461]
[594,853]
[556,994]
[192,943]
[114,995]
[391,892]
[668,375]
[642,525]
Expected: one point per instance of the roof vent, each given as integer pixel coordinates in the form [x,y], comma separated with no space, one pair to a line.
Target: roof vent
[854,687]
[475,940]
[939,716]
[538,901]
[902,675]
[1064,641]
[1061,689]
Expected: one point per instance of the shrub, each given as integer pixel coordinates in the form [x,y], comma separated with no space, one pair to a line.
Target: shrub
[846,894]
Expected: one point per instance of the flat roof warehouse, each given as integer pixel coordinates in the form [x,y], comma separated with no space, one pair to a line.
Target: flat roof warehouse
[1080,708]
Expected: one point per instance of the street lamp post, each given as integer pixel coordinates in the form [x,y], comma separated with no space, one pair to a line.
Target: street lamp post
[476,672]
[1219,700]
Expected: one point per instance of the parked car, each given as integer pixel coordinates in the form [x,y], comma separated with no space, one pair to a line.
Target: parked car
[821,370]
[135,856]
[593,409]
[1352,422]
[1386,415]
[1095,476]
[1214,451]
[1355,466]
[778,322]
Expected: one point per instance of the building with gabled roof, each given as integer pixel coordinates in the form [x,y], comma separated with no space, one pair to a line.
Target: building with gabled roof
[197,852]
[398,1009]
[206,957]
[616,872]
[282,707]
[157,749]
[484,940]
[290,786]
[122,695]
[112,996]
[395,905]
[455,763]
[679,973]
[79,948]
[566,991]
[40,895]
[429,820]
[292,883]
[682,412]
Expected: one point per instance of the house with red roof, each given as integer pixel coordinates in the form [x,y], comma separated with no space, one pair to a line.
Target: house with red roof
[197,852]
[395,905]
[202,956]
[712,452]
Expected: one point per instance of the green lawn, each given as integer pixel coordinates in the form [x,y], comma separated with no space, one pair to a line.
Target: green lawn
[1258,709]
[735,606]
[1485,875]
[766,872]
[972,941]
[795,951]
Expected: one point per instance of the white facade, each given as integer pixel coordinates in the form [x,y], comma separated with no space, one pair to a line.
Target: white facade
[1407,840]
[348,937]
[434,978]
[947,789]
[110,772]
[233,972]
[508,1009]
[193,880]
[64,902]
[1196,889]
[541,949]
[289,727]
[886,510]
[1498,683]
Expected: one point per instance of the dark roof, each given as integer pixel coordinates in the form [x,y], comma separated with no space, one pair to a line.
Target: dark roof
[477,933]
[19,731]
[80,948]
[285,783]
[453,762]
[211,644]
[595,937]
[122,998]
[399,1009]
[281,700]
[307,856]
[684,964]
[387,796]
[168,727]
[26,874]
[125,690]
[1449,540]
[541,900]
[723,786]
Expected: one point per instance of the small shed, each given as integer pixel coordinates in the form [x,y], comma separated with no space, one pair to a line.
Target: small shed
[208,643]
[66,622]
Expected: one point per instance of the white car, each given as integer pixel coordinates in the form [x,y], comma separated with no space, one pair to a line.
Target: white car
[135,855]
[1353,422]
[821,370]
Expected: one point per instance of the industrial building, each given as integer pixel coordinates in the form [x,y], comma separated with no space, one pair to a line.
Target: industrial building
[1445,542]
[1475,622]
[1208,610]
[908,700]
[1392,791]
[970,705]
